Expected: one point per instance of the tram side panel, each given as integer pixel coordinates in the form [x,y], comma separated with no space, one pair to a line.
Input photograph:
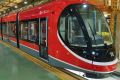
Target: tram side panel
[33,37]
[12,33]
[44,37]
[28,37]
[0,30]
[9,33]
[59,55]
[4,31]
[9,29]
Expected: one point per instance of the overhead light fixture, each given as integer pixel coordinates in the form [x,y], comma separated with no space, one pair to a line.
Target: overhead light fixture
[25,2]
[16,6]
[84,6]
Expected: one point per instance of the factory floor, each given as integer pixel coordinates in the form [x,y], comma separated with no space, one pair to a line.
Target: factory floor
[118,70]
[16,67]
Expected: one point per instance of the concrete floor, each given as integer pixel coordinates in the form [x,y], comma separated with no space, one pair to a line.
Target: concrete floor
[15,67]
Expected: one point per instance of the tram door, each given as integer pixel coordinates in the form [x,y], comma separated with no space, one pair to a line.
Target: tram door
[43,28]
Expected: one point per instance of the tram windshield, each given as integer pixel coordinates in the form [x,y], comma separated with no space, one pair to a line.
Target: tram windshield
[96,25]
[91,22]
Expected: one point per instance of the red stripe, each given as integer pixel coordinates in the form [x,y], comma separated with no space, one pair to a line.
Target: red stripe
[28,44]
[31,45]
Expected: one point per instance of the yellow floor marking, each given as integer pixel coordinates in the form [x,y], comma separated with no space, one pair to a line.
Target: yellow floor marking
[53,70]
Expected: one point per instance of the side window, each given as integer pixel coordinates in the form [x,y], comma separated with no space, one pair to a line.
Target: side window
[75,33]
[29,30]
[9,29]
[70,30]
[62,27]
[12,29]
[33,31]
[4,25]
[24,30]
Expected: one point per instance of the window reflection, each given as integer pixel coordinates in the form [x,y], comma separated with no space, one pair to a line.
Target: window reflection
[24,30]
[29,30]
[96,25]
[12,29]
[32,31]
[71,31]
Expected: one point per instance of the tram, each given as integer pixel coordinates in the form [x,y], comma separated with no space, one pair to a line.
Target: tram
[69,34]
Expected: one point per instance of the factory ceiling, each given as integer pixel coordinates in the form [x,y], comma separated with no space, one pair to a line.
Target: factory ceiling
[7,6]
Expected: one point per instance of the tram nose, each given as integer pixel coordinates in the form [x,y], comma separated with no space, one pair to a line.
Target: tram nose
[103,55]
[104,68]
[104,61]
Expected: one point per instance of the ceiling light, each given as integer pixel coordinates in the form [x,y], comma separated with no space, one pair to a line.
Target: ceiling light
[84,5]
[25,2]
[16,6]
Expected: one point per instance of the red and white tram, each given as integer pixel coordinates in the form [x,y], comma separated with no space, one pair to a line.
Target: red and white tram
[66,33]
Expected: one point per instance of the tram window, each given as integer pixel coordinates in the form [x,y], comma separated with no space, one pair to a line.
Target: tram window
[96,25]
[12,29]
[29,30]
[62,28]
[24,30]
[71,31]
[4,25]
[33,31]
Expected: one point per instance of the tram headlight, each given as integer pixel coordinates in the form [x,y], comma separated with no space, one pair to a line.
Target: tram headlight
[84,6]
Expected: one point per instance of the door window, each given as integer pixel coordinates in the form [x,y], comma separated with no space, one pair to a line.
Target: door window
[43,38]
[43,25]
